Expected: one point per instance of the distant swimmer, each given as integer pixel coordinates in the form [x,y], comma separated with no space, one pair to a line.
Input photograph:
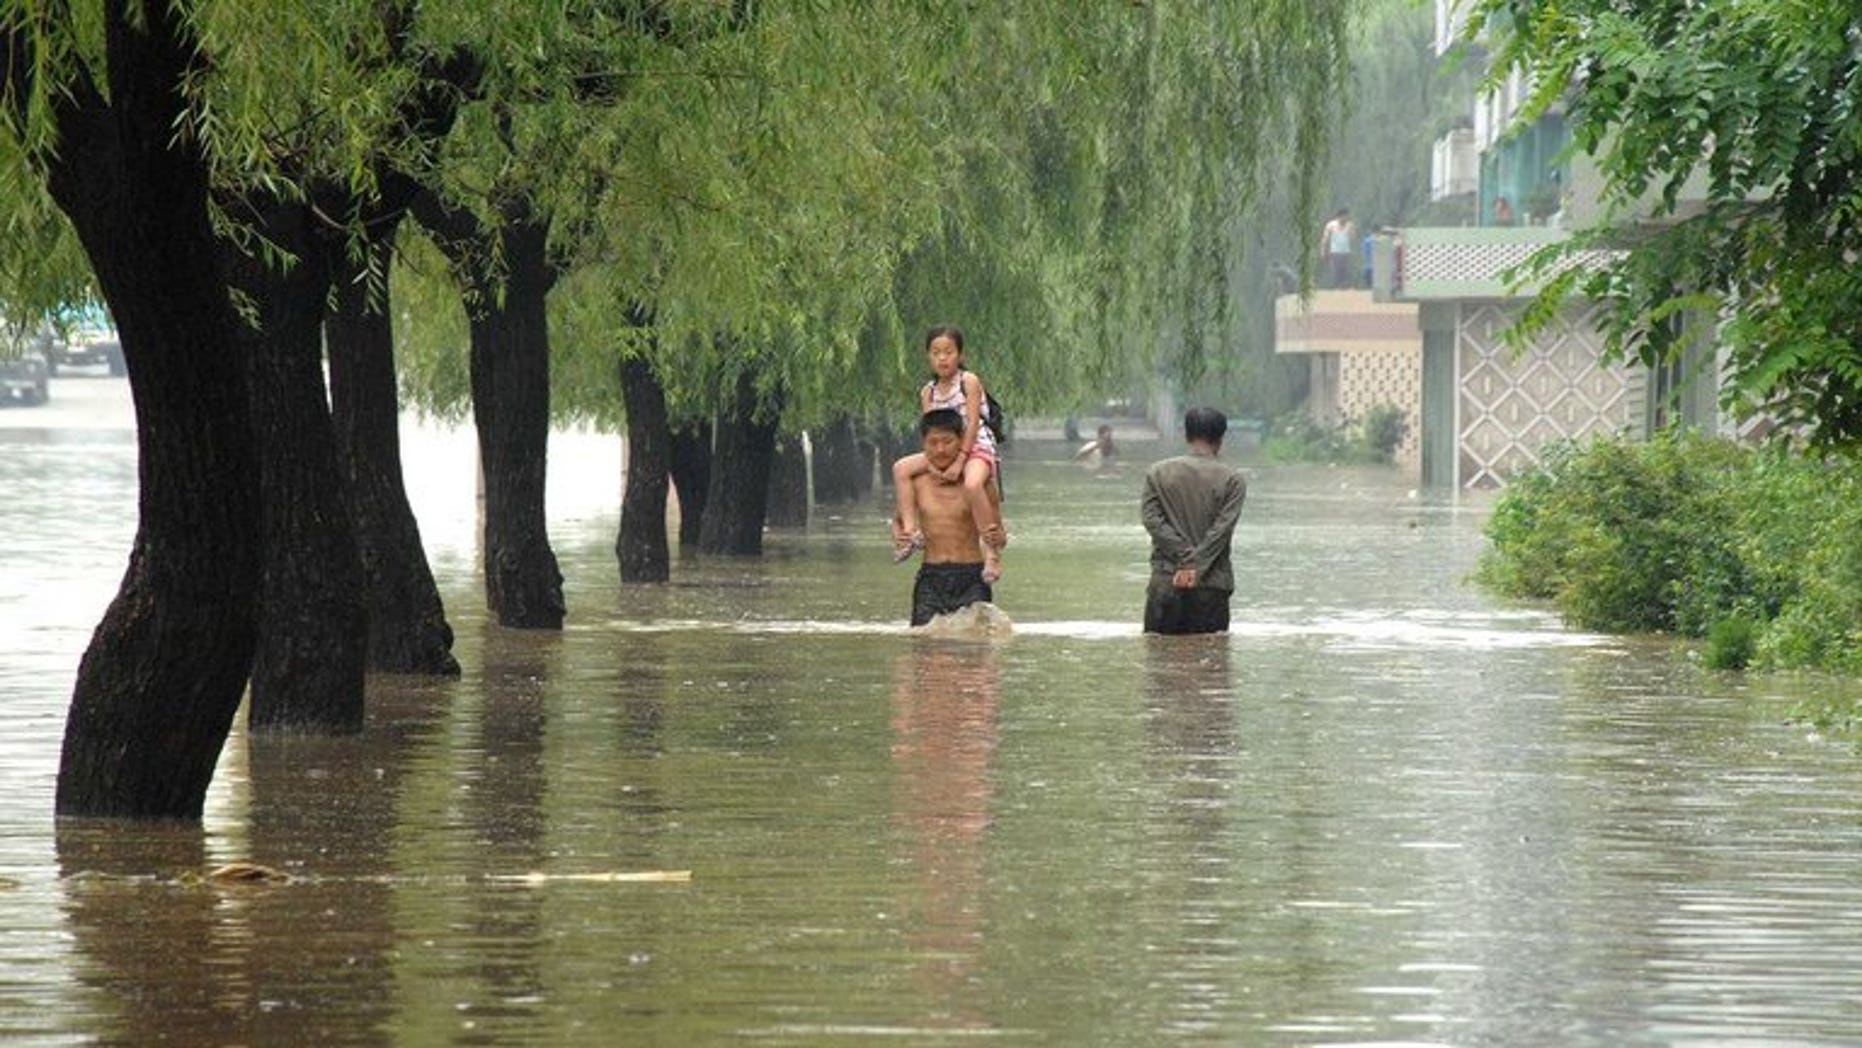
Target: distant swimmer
[951,577]
[1191,504]
[1099,452]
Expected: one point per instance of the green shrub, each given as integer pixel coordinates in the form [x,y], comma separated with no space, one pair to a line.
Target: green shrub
[1385,426]
[1730,643]
[1298,437]
[1625,536]
[1761,552]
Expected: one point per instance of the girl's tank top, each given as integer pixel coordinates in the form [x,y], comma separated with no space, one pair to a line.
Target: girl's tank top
[955,400]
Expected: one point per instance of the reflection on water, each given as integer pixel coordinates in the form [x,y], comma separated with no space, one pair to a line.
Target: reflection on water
[1383,810]
[944,699]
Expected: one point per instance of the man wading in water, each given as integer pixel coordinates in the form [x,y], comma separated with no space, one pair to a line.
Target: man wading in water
[951,576]
[1191,503]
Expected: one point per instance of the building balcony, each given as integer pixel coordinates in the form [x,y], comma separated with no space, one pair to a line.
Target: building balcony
[1467,262]
[1337,321]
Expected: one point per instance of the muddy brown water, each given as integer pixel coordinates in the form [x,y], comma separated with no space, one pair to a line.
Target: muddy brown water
[1385,810]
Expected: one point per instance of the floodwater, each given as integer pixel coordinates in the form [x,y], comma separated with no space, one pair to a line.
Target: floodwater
[1385,810]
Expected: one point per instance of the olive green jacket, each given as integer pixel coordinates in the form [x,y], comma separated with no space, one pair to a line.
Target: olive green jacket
[1191,504]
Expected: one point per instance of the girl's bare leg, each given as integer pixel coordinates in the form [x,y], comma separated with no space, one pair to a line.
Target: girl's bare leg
[979,491]
[906,536]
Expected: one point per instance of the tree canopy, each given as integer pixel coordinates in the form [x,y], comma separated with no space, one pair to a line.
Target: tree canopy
[796,184]
[1730,146]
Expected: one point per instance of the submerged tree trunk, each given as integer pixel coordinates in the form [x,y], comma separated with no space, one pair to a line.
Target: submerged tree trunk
[788,484]
[407,628]
[641,546]
[313,629]
[510,363]
[738,502]
[890,445]
[163,675]
[843,467]
[511,408]
[691,475]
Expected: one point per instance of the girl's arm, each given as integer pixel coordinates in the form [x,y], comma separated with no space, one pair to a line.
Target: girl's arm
[924,398]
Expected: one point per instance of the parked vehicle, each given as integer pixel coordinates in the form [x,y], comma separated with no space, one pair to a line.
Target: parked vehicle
[89,348]
[26,377]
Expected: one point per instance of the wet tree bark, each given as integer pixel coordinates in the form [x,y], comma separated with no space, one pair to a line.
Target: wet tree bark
[510,403]
[511,408]
[307,674]
[891,445]
[407,628]
[691,476]
[738,502]
[788,484]
[641,547]
[843,464]
[162,677]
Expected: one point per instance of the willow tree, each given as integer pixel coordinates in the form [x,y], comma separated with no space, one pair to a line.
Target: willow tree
[739,216]
[792,200]
[1727,138]
[1099,216]
[91,110]
[308,192]
[187,166]
[941,177]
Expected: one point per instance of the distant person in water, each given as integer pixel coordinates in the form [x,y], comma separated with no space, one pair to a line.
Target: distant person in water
[1191,504]
[1099,451]
[951,576]
[975,469]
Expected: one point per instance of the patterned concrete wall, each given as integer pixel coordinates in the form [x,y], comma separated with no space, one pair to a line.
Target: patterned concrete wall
[1367,378]
[1512,404]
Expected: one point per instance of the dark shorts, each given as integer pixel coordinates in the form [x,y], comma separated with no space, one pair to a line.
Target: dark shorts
[944,588]
[1185,611]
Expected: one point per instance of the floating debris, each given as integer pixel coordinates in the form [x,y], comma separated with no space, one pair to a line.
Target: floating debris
[247,873]
[537,878]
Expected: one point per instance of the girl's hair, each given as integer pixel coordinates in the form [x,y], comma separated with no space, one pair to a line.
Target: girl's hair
[949,331]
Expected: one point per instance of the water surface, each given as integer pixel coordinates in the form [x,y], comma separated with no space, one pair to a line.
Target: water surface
[1385,809]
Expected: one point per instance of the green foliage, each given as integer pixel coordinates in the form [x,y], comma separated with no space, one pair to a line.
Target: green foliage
[806,192]
[1761,552]
[1730,644]
[1298,437]
[788,187]
[1384,427]
[1750,108]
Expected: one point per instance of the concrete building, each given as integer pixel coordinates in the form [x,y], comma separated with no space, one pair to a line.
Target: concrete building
[1486,407]
[1362,354]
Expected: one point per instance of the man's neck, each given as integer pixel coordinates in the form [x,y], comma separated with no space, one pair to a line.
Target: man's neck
[1203,447]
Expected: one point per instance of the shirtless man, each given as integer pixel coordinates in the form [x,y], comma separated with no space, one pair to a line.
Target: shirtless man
[951,576]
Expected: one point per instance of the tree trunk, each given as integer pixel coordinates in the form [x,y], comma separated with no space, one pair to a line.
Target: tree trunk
[738,501]
[691,475]
[511,408]
[510,363]
[313,627]
[890,445]
[641,547]
[165,669]
[843,464]
[788,484]
[407,628]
